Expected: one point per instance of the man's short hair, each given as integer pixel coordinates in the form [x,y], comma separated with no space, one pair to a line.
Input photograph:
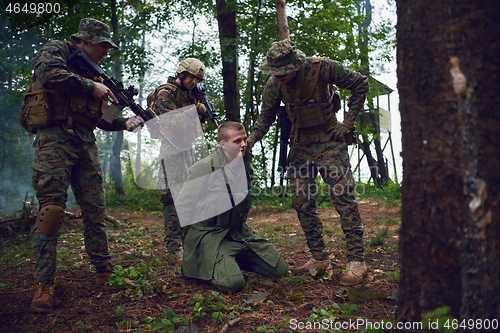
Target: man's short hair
[225,127]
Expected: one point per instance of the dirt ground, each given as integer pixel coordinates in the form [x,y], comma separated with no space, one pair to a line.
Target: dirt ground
[173,302]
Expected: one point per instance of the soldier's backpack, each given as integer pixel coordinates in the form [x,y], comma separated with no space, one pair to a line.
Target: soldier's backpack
[35,112]
[151,99]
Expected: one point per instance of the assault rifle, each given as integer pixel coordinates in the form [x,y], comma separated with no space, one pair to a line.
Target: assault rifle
[82,61]
[285,128]
[200,94]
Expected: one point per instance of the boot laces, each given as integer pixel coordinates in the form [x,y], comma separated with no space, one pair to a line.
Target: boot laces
[46,288]
[355,268]
[108,268]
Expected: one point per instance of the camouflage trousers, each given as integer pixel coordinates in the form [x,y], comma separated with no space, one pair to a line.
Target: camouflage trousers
[172,175]
[331,161]
[61,161]
[171,224]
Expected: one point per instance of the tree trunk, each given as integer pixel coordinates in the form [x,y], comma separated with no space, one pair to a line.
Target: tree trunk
[372,164]
[282,20]
[382,165]
[378,168]
[448,79]
[114,163]
[275,153]
[226,17]
[253,97]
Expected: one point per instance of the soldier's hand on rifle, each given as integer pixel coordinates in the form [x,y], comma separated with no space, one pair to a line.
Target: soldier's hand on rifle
[134,124]
[202,110]
[102,92]
[341,129]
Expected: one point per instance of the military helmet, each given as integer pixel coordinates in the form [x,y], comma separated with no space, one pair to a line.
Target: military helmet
[193,66]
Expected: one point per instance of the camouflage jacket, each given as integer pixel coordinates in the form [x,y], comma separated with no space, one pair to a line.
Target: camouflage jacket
[331,72]
[180,125]
[173,96]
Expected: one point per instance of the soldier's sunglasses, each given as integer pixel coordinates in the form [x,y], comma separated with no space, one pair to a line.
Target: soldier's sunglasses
[281,76]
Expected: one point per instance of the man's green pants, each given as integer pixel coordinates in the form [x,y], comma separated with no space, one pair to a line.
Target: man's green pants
[234,256]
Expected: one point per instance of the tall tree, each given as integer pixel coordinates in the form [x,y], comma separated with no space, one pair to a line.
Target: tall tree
[114,158]
[228,37]
[448,77]
[378,169]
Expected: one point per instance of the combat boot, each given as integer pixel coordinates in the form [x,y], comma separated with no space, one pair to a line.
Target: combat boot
[43,300]
[356,271]
[103,274]
[313,265]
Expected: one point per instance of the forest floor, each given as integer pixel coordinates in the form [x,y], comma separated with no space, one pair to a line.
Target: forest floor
[149,294]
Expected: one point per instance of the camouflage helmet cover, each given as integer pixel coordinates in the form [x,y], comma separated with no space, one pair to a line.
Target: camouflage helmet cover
[193,66]
[94,32]
[282,58]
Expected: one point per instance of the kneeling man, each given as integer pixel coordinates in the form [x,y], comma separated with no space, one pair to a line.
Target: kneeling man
[216,196]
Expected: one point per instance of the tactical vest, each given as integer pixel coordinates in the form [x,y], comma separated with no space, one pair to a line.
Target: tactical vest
[43,106]
[310,105]
[182,99]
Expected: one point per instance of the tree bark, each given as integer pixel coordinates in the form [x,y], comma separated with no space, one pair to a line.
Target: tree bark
[226,17]
[115,164]
[448,58]
[378,167]
[372,164]
[115,159]
[252,95]
[282,20]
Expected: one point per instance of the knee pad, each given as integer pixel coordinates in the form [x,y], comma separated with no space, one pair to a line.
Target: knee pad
[50,218]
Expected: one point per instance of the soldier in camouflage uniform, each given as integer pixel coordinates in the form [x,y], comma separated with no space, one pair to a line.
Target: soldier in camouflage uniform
[173,95]
[318,144]
[66,154]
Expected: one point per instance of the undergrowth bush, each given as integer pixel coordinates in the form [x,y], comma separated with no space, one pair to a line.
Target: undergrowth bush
[141,199]
[390,194]
[137,199]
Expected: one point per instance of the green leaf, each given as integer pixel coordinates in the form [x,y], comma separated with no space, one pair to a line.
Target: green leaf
[362,294]
[120,310]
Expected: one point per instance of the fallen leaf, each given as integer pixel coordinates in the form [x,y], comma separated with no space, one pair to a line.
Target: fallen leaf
[256,298]
[277,290]
[362,294]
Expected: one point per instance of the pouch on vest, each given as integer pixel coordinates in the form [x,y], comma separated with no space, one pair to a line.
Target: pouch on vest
[35,110]
[311,106]
[85,109]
